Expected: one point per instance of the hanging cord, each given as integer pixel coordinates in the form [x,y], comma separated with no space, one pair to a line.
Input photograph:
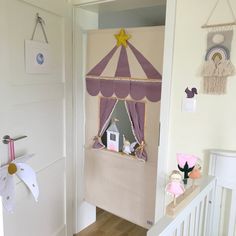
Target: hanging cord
[224,24]
[212,11]
[231,10]
[12,150]
[39,20]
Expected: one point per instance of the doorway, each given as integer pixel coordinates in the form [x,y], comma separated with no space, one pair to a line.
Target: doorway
[96,13]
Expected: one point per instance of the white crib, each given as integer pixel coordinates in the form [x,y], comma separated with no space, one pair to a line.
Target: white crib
[212,212]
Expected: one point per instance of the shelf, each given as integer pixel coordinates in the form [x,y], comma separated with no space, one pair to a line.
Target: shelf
[120,155]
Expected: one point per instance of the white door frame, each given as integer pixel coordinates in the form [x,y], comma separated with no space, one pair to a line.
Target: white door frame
[165,105]
[69,118]
[84,213]
[164,142]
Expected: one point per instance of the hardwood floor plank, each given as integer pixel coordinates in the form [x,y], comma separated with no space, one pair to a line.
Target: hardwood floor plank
[111,225]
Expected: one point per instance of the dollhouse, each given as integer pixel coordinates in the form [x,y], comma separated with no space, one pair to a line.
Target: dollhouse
[113,138]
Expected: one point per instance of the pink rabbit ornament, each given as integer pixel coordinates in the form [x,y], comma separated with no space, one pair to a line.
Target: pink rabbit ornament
[175,186]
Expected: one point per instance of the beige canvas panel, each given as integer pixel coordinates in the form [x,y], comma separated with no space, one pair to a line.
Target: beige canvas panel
[115,182]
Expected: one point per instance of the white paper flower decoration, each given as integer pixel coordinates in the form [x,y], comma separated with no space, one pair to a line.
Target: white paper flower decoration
[7,185]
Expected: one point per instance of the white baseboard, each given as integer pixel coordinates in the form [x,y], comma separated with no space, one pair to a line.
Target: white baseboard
[61,231]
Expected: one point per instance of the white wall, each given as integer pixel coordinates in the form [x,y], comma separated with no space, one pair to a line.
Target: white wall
[213,125]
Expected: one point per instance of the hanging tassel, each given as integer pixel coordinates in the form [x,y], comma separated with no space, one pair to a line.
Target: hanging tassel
[215,85]
[222,68]
[215,76]
[208,68]
[226,68]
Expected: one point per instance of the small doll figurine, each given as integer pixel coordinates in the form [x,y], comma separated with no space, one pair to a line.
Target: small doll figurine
[175,186]
[126,146]
[195,173]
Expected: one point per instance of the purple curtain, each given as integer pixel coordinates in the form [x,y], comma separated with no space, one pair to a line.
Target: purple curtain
[136,111]
[106,107]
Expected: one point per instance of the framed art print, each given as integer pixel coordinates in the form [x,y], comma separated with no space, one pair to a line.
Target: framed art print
[37,57]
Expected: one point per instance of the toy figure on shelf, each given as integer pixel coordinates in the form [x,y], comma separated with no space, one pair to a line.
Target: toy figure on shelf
[126,146]
[186,164]
[175,186]
[195,173]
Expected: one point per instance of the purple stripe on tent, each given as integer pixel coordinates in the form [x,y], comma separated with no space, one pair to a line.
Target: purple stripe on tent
[153,91]
[148,68]
[99,68]
[107,87]
[93,86]
[122,69]
[121,88]
[137,90]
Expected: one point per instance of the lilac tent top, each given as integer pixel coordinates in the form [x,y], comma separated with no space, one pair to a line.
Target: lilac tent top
[122,84]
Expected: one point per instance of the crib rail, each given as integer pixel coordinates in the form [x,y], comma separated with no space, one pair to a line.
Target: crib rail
[222,165]
[195,219]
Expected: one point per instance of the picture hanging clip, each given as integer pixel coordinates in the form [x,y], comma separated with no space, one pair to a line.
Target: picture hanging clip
[40,20]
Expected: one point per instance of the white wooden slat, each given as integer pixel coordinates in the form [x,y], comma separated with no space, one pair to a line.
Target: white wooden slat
[192,220]
[217,211]
[201,220]
[210,216]
[232,214]
[186,226]
[196,224]
[206,215]
[178,230]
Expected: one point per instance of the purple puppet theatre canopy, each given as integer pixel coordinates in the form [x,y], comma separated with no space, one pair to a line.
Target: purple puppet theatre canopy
[122,84]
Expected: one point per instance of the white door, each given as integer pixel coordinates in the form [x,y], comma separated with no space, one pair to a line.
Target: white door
[34,105]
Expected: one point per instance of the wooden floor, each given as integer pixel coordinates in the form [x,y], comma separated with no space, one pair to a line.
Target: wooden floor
[111,225]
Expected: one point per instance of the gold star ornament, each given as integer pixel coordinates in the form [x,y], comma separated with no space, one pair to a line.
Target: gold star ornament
[122,38]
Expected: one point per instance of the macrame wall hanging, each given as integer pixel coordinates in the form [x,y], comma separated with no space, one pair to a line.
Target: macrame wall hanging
[218,66]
